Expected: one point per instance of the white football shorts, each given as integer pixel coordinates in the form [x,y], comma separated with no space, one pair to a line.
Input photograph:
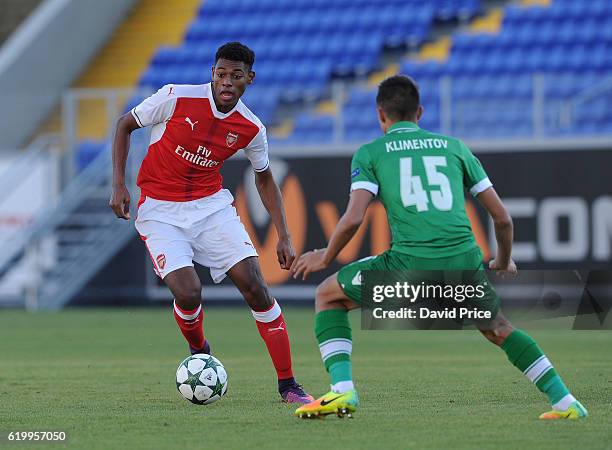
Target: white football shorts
[207,231]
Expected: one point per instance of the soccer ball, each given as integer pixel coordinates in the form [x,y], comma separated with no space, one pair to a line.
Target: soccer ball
[201,379]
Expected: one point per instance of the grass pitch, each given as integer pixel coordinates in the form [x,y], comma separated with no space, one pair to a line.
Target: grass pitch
[106,378]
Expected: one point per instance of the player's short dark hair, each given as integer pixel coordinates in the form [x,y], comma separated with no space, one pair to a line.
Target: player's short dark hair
[235,51]
[399,98]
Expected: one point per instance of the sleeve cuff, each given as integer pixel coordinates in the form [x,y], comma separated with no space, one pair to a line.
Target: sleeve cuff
[137,118]
[264,167]
[481,186]
[373,188]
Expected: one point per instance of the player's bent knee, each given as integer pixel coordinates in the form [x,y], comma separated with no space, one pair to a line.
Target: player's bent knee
[503,332]
[257,296]
[328,294]
[497,330]
[497,335]
[322,292]
[188,297]
[491,336]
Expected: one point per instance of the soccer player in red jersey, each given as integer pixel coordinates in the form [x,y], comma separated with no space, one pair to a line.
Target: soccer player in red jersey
[185,215]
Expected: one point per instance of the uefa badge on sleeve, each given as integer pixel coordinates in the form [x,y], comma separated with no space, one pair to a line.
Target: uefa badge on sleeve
[231,138]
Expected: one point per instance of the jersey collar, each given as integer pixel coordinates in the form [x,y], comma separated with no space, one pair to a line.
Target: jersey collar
[403,127]
[213,106]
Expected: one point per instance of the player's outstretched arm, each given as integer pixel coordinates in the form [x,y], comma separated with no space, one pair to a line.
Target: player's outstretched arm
[347,226]
[120,196]
[503,231]
[273,201]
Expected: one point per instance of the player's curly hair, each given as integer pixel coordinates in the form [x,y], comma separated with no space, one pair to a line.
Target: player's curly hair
[399,97]
[235,51]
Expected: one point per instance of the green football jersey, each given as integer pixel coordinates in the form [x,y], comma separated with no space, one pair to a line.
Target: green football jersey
[420,179]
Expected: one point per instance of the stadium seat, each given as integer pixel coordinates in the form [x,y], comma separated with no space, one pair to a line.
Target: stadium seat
[302,44]
[87,151]
[567,43]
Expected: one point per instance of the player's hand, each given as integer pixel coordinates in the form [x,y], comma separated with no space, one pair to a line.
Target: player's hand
[120,202]
[309,262]
[285,253]
[503,272]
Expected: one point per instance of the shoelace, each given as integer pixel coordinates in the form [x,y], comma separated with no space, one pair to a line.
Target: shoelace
[296,388]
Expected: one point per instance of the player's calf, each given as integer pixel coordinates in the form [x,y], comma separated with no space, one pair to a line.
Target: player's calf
[333,333]
[525,354]
[273,330]
[190,322]
[497,330]
[271,325]
[187,290]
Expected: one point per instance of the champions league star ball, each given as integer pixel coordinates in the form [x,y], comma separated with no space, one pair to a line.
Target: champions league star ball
[201,379]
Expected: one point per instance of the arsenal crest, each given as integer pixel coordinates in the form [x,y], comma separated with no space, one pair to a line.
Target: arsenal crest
[161,261]
[231,138]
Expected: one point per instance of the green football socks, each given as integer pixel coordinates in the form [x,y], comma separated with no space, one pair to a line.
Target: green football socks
[525,355]
[333,333]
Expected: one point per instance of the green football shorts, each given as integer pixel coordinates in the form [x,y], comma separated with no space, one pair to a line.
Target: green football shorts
[466,268]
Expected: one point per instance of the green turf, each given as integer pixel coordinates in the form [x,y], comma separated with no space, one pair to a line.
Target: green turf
[106,377]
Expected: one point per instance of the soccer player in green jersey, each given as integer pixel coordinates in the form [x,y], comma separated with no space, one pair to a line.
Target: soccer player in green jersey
[420,179]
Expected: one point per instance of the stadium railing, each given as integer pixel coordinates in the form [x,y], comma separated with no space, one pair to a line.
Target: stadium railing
[78,226]
[538,106]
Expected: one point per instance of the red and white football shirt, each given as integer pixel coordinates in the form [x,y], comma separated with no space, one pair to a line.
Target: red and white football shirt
[191,139]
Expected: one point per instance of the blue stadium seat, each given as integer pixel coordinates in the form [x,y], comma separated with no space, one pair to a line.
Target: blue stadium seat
[301,44]
[87,151]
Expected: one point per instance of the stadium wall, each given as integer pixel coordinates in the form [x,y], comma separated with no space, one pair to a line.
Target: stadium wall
[45,55]
[560,200]
[13,13]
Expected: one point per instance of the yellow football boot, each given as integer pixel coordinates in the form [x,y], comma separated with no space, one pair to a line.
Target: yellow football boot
[342,405]
[574,411]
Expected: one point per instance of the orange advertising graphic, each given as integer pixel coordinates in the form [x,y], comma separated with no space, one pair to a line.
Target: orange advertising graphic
[328,214]
[295,207]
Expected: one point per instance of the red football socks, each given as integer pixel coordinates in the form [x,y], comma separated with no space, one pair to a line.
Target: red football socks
[273,330]
[190,323]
